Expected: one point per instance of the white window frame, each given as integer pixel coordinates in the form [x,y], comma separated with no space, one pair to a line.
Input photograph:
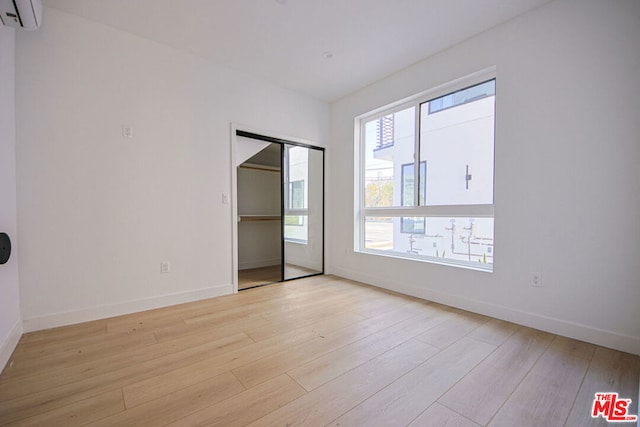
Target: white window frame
[360,209]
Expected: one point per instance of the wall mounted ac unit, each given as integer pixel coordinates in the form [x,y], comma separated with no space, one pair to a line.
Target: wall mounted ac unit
[25,14]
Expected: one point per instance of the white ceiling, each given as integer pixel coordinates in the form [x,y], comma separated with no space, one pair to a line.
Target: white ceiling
[283,40]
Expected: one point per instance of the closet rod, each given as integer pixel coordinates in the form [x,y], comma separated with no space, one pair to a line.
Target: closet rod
[245,218]
[259,167]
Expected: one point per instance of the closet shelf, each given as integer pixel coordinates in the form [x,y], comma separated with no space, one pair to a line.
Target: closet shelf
[245,218]
[259,167]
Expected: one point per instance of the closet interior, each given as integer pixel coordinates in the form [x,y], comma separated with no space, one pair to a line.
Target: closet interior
[280,213]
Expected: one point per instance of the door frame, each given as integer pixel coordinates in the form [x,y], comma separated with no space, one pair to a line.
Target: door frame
[266,136]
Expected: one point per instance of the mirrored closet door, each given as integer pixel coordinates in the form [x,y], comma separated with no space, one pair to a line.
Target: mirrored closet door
[280,205]
[302,180]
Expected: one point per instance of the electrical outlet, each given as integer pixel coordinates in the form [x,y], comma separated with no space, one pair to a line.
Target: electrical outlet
[127,131]
[536,280]
[165,267]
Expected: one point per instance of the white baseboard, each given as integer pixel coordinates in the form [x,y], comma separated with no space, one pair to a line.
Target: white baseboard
[605,338]
[127,307]
[9,344]
[248,265]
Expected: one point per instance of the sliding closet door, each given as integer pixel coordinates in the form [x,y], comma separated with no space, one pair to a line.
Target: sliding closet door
[303,211]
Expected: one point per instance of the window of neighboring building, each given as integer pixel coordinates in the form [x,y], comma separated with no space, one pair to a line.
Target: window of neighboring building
[296,194]
[412,225]
[296,212]
[462,96]
[408,183]
[448,216]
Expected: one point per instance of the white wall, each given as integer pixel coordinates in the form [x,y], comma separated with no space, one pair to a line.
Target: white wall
[567,174]
[99,212]
[10,319]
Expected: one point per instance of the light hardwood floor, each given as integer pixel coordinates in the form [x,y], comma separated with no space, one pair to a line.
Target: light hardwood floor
[259,276]
[313,352]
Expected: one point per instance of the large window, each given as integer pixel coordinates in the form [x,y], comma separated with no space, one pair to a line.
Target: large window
[426,176]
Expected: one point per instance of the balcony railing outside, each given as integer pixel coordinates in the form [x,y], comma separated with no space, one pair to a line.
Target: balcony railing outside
[384,132]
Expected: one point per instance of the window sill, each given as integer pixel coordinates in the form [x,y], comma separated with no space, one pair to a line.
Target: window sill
[431,260]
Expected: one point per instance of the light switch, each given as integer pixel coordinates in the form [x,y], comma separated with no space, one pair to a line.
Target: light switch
[165,267]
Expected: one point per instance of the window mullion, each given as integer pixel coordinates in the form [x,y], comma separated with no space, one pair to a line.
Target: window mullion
[477,211]
[416,157]
[362,189]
